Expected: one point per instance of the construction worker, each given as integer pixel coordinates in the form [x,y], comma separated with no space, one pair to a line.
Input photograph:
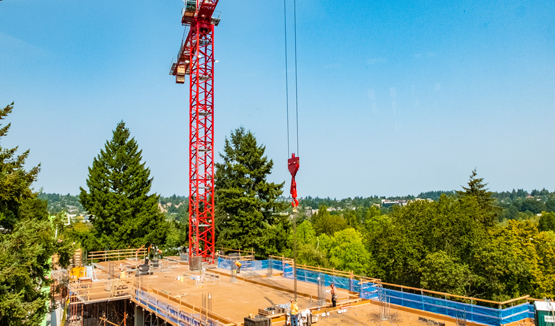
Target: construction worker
[238,264]
[333,296]
[294,313]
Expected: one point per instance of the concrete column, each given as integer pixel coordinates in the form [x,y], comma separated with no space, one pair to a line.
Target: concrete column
[139,316]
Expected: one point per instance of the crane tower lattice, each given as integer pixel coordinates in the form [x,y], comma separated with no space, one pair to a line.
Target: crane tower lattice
[196,59]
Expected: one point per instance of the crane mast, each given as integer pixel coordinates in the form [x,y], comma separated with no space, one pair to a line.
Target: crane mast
[196,59]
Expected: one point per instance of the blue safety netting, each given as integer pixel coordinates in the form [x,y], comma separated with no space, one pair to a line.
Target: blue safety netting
[164,309]
[368,290]
[470,312]
[253,265]
[312,277]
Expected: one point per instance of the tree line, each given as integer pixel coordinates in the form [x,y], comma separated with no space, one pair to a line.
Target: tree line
[461,242]
[468,242]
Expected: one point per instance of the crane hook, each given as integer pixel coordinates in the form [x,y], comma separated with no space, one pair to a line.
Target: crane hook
[293,164]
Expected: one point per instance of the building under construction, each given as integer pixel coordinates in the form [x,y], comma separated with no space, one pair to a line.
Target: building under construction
[205,287]
[124,287]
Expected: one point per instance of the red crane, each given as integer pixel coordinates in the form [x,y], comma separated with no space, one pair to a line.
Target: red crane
[196,59]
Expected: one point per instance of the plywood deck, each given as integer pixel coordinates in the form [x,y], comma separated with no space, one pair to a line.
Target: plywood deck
[233,301]
[253,290]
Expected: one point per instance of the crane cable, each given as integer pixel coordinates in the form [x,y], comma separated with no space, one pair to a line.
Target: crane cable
[296,82]
[287,75]
[293,162]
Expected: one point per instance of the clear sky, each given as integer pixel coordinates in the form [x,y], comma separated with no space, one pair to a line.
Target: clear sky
[395,97]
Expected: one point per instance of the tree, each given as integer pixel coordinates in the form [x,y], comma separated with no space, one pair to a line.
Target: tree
[532,205]
[509,264]
[178,233]
[26,239]
[247,206]
[550,204]
[348,252]
[442,272]
[122,211]
[325,223]
[477,188]
[547,222]
[400,242]
[306,233]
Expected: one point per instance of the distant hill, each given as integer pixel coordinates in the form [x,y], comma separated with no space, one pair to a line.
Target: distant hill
[173,206]
[514,203]
[58,203]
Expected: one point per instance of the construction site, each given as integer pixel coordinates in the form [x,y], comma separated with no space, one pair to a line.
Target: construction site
[124,287]
[206,286]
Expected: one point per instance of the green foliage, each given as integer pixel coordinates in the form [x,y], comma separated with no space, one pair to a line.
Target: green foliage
[177,236]
[123,212]
[547,222]
[435,195]
[477,188]
[247,205]
[348,252]
[175,207]
[532,205]
[516,261]
[82,232]
[58,203]
[442,272]
[64,242]
[325,223]
[26,240]
[306,233]
[451,244]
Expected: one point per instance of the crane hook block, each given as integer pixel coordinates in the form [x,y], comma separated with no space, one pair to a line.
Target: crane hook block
[293,165]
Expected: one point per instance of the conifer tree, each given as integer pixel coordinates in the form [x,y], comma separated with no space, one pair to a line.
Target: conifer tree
[26,240]
[477,188]
[247,204]
[122,211]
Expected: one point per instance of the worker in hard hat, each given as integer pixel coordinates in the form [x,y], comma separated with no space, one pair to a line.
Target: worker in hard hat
[238,264]
[294,313]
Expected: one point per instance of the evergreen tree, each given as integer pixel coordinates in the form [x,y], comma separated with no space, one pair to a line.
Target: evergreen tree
[122,211]
[26,240]
[477,188]
[246,203]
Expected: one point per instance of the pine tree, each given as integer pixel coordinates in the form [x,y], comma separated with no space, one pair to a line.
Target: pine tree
[26,240]
[477,188]
[247,204]
[122,211]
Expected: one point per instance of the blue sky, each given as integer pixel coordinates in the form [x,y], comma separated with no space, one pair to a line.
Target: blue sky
[395,97]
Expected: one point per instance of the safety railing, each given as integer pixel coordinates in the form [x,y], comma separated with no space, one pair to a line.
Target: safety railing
[489,312]
[116,254]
